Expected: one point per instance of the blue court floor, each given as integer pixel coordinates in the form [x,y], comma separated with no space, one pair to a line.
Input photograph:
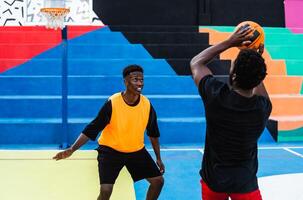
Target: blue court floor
[280,172]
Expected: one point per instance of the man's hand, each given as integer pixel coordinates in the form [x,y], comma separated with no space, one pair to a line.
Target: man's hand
[161,166]
[240,37]
[261,49]
[63,154]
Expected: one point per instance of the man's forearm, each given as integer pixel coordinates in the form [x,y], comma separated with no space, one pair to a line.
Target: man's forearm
[198,63]
[156,147]
[81,140]
[208,54]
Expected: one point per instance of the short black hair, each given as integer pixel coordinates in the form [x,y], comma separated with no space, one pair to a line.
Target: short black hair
[249,68]
[131,68]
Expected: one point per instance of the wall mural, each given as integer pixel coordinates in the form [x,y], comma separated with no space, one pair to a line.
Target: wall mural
[12,12]
[27,12]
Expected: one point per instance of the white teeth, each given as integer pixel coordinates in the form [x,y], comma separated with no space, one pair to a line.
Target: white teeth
[139,89]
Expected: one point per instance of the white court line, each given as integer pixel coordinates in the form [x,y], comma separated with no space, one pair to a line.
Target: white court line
[287,148]
[202,151]
[175,149]
[293,152]
[274,148]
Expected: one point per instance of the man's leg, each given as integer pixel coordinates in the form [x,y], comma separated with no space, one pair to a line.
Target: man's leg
[141,166]
[155,187]
[208,194]
[105,191]
[110,162]
[254,195]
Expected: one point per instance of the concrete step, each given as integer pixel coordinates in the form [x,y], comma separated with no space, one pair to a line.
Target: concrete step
[110,67]
[30,131]
[152,85]
[267,30]
[108,84]
[27,28]
[290,85]
[100,37]
[93,85]
[92,66]
[30,37]
[47,66]
[107,66]
[287,105]
[141,38]
[108,51]
[153,28]
[290,51]
[166,105]
[89,106]
[48,131]
[218,67]
[135,51]
[166,37]
[284,39]
[294,67]
[174,51]
[288,123]
[28,51]
[271,38]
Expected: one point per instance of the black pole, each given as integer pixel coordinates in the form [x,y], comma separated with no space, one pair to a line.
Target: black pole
[204,15]
[64,86]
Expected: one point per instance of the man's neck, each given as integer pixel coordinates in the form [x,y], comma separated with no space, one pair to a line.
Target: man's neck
[245,93]
[129,98]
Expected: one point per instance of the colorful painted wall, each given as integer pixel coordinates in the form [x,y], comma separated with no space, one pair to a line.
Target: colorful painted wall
[31,85]
[32,59]
[294,15]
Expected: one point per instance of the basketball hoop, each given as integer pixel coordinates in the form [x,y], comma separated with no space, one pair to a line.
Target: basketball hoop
[55,17]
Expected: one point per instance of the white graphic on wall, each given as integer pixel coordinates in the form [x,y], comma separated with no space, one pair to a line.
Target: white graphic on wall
[12,12]
[27,12]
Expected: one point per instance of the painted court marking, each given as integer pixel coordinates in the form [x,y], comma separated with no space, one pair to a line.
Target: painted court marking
[293,152]
[36,160]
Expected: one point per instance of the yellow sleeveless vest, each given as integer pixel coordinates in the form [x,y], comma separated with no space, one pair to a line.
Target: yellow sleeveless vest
[125,132]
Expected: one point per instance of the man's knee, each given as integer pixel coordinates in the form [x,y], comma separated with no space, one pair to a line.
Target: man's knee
[157,181]
[106,189]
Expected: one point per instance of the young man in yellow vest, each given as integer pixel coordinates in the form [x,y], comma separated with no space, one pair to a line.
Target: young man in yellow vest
[123,120]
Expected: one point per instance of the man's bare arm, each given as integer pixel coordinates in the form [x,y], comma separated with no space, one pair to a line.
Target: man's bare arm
[81,140]
[155,143]
[261,90]
[198,63]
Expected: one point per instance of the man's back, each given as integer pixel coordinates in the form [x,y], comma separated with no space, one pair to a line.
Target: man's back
[234,124]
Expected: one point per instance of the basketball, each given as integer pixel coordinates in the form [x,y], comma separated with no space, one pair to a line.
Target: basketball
[257,34]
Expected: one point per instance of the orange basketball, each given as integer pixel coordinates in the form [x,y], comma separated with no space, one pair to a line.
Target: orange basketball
[257,34]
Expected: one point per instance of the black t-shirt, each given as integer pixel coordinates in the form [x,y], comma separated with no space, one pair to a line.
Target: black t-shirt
[103,118]
[233,125]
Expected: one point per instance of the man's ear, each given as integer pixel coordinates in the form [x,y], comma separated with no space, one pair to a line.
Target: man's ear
[233,77]
[125,80]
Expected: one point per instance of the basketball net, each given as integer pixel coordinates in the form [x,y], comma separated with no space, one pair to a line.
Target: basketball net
[54,17]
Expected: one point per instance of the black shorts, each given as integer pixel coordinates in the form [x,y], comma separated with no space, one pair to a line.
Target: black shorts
[139,164]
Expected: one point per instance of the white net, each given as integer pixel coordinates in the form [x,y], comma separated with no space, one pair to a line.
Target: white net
[54,12]
[55,17]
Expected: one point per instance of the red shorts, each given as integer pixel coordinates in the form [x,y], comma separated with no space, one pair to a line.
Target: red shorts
[208,194]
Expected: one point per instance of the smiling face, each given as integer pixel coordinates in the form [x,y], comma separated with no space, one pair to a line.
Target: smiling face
[134,82]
